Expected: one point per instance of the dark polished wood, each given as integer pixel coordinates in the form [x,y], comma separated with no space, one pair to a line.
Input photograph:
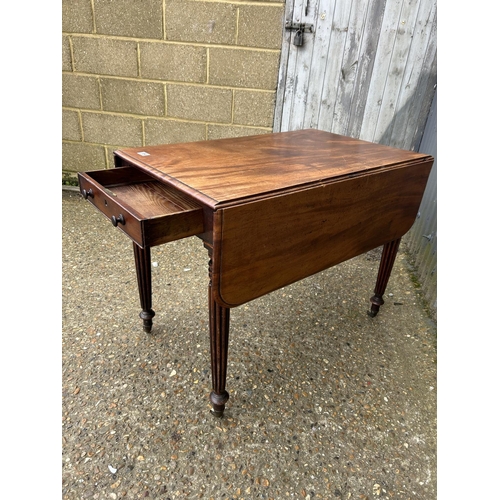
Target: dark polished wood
[219,343]
[143,270]
[387,260]
[225,171]
[150,212]
[271,209]
[264,245]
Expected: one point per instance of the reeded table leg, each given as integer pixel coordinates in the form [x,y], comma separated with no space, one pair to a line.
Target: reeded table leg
[143,270]
[384,272]
[219,338]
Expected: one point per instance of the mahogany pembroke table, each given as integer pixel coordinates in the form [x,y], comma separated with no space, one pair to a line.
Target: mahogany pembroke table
[270,209]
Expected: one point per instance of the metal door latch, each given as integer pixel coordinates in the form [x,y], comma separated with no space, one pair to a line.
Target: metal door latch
[300,29]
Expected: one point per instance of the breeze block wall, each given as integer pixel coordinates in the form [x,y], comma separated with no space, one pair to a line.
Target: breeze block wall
[143,72]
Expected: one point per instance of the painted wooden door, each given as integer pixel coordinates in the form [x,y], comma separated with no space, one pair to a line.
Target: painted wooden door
[368,69]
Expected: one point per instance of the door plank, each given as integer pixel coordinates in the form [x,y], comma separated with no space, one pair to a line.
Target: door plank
[283,70]
[293,70]
[348,71]
[418,81]
[331,84]
[366,59]
[323,22]
[384,64]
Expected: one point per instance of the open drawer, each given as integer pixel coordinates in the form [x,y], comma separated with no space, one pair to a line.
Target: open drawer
[148,211]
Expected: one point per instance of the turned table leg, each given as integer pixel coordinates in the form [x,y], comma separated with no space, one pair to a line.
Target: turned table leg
[219,337]
[384,272]
[143,270]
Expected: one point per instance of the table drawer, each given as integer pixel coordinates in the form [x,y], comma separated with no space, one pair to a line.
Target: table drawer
[148,211]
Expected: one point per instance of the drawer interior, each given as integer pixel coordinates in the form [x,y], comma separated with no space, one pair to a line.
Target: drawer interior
[144,196]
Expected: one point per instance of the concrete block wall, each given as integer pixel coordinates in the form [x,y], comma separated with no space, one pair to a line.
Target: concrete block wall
[142,72]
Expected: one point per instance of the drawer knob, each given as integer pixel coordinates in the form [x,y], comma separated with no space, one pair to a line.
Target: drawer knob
[116,220]
[88,194]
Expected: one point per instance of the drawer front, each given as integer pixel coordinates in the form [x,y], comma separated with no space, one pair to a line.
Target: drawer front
[105,201]
[148,211]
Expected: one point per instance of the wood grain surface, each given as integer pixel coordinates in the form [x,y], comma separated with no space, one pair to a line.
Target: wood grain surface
[264,245]
[226,171]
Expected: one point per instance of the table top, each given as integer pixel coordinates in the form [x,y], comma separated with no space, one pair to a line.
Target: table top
[226,171]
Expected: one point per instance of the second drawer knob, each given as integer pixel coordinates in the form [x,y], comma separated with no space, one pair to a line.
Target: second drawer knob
[115,220]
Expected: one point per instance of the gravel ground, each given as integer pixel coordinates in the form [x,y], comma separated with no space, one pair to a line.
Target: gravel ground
[325,402]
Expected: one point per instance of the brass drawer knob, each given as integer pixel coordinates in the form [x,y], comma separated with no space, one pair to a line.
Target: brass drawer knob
[115,220]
